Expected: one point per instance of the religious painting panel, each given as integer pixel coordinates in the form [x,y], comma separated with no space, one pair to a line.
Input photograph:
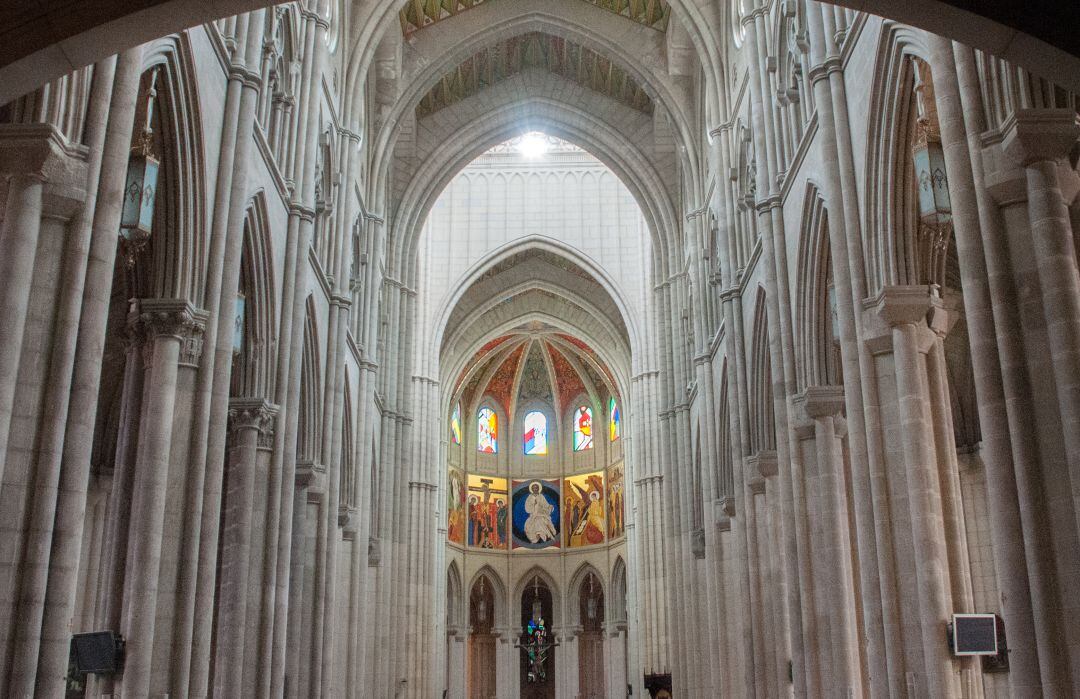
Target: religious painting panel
[455,507]
[616,499]
[488,511]
[583,505]
[536,514]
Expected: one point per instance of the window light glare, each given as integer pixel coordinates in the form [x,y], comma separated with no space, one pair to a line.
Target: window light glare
[533,145]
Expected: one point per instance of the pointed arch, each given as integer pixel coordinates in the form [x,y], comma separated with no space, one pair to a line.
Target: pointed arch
[498,587]
[307,432]
[456,617]
[762,416]
[889,257]
[179,244]
[253,373]
[574,590]
[817,354]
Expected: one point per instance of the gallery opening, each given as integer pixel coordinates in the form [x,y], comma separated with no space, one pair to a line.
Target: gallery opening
[539,349]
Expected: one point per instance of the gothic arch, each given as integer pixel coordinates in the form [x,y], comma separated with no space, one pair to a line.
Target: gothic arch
[725,450]
[888,254]
[349,497]
[814,364]
[498,587]
[443,46]
[480,269]
[179,255]
[574,590]
[460,138]
[456,616]
[762,417]
[253,375]
[558,610]
[307,431]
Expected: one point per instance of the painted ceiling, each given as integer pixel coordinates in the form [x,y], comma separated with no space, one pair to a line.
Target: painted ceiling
[417,14]
[534,50]
[534,362]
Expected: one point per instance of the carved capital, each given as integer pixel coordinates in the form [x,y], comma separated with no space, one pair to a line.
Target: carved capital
[1040,135]
[151,319]
[254,414]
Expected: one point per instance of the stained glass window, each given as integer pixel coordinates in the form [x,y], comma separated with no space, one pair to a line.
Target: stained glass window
[535,436]
[455,425]
[487,431]
[614,420]
[583,428]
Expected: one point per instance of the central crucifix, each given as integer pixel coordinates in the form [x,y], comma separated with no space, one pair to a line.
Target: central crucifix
[535,641]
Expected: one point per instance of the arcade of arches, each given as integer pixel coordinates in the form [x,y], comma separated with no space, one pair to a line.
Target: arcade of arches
[553,349]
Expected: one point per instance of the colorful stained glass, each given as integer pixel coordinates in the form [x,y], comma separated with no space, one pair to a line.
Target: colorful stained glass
[487,431]
[614,420]
[455,425]
[535,436]
[583,428]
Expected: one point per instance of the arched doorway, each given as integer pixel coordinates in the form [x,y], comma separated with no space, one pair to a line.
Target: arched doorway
[481,658]
[591,668]
[537,682]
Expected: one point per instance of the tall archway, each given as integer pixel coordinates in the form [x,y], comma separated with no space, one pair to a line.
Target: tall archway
[481,661]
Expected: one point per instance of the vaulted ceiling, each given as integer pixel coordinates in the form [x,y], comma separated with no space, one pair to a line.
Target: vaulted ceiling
[535,50]
[417,14]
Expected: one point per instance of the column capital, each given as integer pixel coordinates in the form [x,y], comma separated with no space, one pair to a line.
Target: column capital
[819,402]
[895,306]
[254,414]
[764,463]
[1034,135]
[150,319]
[40,152]
[169,317]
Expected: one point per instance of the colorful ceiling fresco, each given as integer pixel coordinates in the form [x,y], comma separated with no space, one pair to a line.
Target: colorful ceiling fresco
[533,363]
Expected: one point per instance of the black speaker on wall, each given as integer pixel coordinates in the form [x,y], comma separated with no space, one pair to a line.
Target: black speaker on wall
[97,652]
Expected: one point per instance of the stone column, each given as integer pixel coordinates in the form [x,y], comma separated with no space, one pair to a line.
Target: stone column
[30,156]
[615,660]
[506,659]
[46,200]
[456,640]
[900,313]
[824,406]
[566,662]
[1040,141]
[109,601]
[164,322]
[251,423]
